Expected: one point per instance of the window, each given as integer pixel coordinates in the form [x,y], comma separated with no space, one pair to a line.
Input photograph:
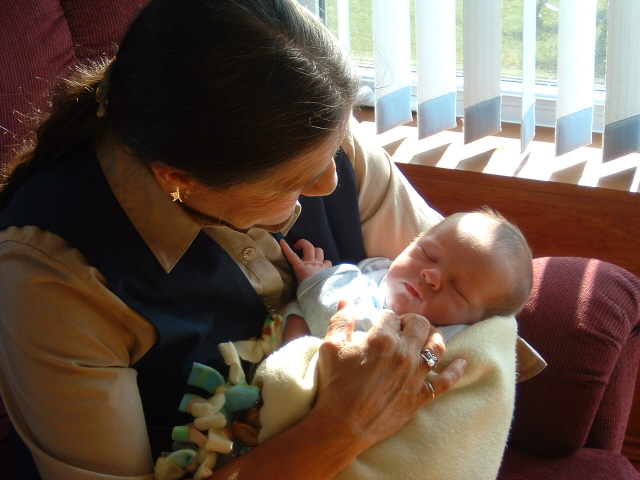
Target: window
[361,36]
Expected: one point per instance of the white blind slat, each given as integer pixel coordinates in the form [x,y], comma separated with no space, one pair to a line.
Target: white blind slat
[436,57]
[622,111]
[482,61]
[576,68]
[392,61]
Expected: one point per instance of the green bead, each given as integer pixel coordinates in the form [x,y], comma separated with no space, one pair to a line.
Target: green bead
[180,433]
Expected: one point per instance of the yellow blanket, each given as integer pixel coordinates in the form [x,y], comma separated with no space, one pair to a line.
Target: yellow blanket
[458,436]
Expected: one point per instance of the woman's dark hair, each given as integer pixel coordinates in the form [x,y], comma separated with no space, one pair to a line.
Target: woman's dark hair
[224,90]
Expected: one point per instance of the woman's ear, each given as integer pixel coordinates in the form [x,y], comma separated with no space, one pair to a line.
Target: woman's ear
[174,182]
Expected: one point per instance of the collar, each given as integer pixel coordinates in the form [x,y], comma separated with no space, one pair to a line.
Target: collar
[164,226]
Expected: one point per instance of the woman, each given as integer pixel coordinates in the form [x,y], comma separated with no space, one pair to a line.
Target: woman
[141,231]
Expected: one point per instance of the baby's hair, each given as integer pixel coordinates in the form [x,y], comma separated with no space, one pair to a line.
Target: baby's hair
[513,245]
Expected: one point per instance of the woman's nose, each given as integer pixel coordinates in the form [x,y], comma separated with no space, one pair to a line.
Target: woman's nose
[432,277]
[324,185]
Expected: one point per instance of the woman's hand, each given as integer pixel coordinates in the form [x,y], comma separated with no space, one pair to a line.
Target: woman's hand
[369,386]
[372,385]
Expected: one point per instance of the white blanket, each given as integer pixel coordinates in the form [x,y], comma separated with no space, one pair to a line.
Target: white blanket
[458,436]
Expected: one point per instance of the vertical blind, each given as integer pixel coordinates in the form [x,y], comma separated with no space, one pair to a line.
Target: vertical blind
[576,67]
[622,103]
[436,53]
[392,59]
[438,80]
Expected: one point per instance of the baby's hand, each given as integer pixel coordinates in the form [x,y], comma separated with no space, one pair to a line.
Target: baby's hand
[312,260]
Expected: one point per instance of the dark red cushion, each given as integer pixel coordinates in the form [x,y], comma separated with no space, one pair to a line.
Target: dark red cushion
[585,464]
[582,317]
[42,40]
[97,26]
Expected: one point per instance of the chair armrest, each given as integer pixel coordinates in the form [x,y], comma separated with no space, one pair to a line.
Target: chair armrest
[582,317]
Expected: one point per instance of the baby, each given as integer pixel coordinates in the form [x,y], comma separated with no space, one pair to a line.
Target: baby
[469,267]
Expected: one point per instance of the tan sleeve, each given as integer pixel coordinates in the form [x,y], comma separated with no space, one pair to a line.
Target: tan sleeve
[530,362]
[66,346]
[388,203]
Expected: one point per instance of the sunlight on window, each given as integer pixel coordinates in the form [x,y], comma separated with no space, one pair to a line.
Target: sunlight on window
[547,32]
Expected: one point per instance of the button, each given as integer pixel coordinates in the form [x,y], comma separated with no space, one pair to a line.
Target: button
[249,253]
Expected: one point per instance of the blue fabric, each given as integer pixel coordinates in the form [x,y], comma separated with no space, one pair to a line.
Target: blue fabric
[319,295]
[203,301]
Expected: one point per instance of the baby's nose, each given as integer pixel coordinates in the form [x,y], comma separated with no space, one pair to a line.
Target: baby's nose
[432,278]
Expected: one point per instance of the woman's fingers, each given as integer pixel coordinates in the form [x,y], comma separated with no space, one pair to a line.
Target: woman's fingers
[426,343]
[341,325]
[417,334]
[420,334]
[375,383]
[435,342]
[447,378]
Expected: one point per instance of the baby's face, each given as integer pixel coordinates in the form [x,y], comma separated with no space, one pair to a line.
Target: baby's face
[450,275]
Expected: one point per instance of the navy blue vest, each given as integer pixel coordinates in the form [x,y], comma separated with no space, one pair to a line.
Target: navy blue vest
[204,300]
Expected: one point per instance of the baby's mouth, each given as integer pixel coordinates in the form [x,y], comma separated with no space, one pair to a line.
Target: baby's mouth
[412,291]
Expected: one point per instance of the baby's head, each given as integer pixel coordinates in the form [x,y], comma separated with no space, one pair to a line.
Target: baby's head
[466,268]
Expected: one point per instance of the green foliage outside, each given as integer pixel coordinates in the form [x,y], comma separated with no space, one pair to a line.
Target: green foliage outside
[546,28]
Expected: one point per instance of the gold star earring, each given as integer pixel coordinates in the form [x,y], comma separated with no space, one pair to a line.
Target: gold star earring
[178,196]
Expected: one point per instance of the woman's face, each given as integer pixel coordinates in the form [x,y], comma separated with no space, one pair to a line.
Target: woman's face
[271,201]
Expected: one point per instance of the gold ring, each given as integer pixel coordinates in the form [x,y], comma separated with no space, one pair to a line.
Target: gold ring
[430,387]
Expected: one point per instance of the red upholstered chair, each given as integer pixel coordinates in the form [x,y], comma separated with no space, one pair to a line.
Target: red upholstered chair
[570,420]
